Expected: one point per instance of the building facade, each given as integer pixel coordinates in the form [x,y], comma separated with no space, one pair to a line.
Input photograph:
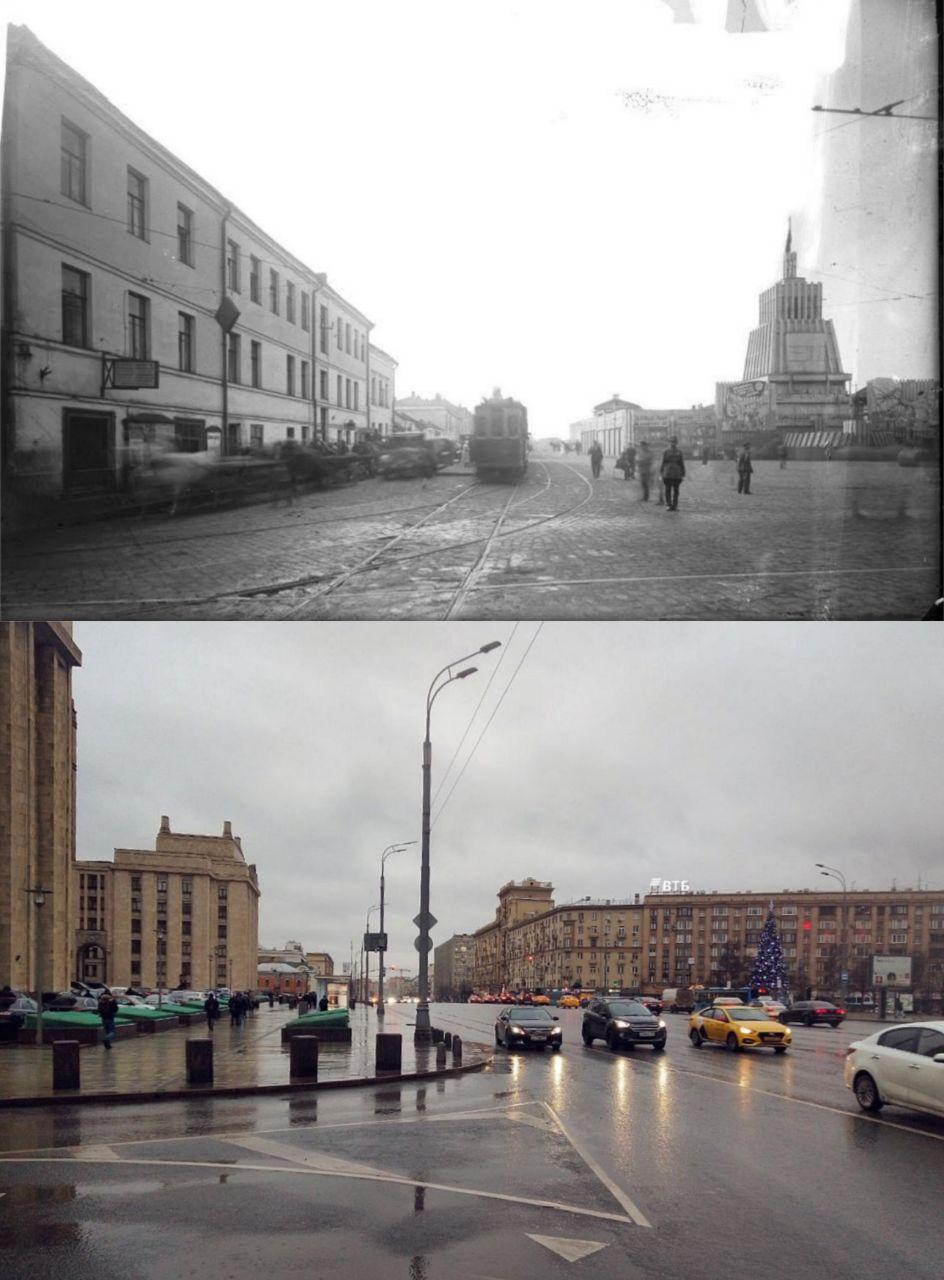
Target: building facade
[142,311]
[454,968]
[451,420]
[793,386]
[183,914]
[616,424]
[684,938]
[383,390]
[37,803]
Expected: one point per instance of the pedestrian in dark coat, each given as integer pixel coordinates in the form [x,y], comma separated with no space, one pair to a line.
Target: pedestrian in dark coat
[323,1004]
[782,452]
[644,463]
[672,472]
[596,459]
[745,470]
[271,999]
[107,1011]
[211,1007]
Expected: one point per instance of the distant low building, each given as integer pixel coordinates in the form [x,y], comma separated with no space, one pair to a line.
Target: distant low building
[451,420]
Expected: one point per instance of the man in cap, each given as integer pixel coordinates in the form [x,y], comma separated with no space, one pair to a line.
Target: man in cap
[673,473]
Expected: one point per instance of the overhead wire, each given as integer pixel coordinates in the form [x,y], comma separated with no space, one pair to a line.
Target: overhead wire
[495,710]
[495,671]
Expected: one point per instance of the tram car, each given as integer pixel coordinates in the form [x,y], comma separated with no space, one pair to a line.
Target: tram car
[498,448]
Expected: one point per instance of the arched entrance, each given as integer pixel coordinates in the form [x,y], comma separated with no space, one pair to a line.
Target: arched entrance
[91,962]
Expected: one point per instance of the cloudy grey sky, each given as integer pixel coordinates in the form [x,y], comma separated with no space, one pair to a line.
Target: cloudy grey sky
[733,755]
[567,201]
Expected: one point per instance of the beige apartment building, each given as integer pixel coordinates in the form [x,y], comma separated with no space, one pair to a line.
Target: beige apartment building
[185,913]
[141,309]
[685,938]
[37,803]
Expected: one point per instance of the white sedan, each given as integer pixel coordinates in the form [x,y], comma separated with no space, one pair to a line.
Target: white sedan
[902,1065]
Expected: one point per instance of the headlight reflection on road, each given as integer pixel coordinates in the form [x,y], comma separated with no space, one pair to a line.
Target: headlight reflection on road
[622,1080]
[557,1087]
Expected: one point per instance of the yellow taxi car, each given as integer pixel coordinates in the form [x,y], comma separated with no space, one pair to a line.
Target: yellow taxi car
[541,1000]
[738,1027]
[568,1002]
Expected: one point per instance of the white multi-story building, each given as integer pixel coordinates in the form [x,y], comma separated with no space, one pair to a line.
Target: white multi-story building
[383,370]
[141,308]
[452,420]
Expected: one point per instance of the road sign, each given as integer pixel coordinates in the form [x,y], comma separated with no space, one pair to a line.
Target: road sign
[425,921]
[375,942]
[423,943]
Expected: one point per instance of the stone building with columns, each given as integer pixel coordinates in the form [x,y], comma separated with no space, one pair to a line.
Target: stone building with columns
[183,914]
[37,802]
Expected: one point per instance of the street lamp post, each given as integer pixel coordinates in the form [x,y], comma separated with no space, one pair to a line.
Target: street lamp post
[367,954]
[38,894]
[843,958]
[391,848]
[422,1033]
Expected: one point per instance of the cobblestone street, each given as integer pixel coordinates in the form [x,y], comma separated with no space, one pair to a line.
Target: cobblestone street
[812,541]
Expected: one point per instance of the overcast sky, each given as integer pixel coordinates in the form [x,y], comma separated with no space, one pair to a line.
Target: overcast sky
[735,756]
[568,201]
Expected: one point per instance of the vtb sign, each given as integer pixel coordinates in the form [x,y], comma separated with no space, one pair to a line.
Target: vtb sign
[658,885]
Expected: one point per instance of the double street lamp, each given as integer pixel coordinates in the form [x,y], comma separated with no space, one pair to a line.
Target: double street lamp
[843,958]
[424,921]
[391,848]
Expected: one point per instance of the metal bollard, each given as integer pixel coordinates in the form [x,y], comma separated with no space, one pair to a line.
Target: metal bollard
[440,1057]
[199,1061]
[437,1035]
[447,1039]
[456,1051]
[389,1051]
[303,1057]
[65,1064]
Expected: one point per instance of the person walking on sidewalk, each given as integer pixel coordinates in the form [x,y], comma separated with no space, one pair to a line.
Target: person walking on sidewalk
[107,1011]
[596,459]
[745,470]
[211,1007]
[644,465]
[672,472]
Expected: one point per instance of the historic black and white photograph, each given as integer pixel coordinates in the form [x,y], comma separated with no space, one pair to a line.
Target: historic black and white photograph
[471,311]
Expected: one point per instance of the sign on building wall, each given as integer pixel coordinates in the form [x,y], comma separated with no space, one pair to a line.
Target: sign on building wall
[891,971]
[658,885]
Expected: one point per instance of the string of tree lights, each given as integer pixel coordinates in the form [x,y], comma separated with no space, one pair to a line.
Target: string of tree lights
[770,971]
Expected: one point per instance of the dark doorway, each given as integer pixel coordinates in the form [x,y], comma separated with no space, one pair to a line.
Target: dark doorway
[88,452]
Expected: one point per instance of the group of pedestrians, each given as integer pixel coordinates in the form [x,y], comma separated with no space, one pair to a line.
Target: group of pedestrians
[671,471]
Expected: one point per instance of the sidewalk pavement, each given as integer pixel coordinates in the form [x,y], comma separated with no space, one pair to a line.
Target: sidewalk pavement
[247,1059]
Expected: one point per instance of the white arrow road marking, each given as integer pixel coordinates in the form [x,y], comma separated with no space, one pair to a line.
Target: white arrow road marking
[616,1192]
[569,1250]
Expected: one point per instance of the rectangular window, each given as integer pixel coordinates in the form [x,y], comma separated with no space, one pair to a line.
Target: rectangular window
[232,266]
[255,279]
[373,391]
[290,375]
[323,325]
[221,891]
[136,925]
[255,363]
[221,931]
[75,307]
[323,384]
[305,387]
[185,326]
[185,928]
[347,338]
[232,362]
[357,390]
[135,884]
[137,204]
[339,328]
[340,388]
[185,949]
[184,235]
[274,292]
[186,907]
[306,301]
[138,326]
[74,163]
[135,946]
[255,435]
[290,302]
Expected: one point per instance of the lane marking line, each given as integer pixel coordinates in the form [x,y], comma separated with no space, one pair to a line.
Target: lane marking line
[616,1192]
[289,1170]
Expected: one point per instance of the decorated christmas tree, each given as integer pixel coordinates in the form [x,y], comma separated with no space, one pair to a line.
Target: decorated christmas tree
[769,973]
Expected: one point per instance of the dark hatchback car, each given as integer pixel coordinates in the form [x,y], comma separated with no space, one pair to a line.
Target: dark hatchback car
[812,1011]
[527,1024]
[622,1024]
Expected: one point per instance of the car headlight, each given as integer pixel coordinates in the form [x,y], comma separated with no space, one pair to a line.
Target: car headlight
[618,1022]
[557,1031]
[517,1030]
[745,1031]
[662,1023]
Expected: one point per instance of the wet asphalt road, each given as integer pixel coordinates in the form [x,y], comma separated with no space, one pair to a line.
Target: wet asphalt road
[681,1164]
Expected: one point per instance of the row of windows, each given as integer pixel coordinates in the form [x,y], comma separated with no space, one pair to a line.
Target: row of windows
[74,184]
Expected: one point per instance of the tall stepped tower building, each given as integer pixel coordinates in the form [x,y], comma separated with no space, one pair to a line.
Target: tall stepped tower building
[794,383]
